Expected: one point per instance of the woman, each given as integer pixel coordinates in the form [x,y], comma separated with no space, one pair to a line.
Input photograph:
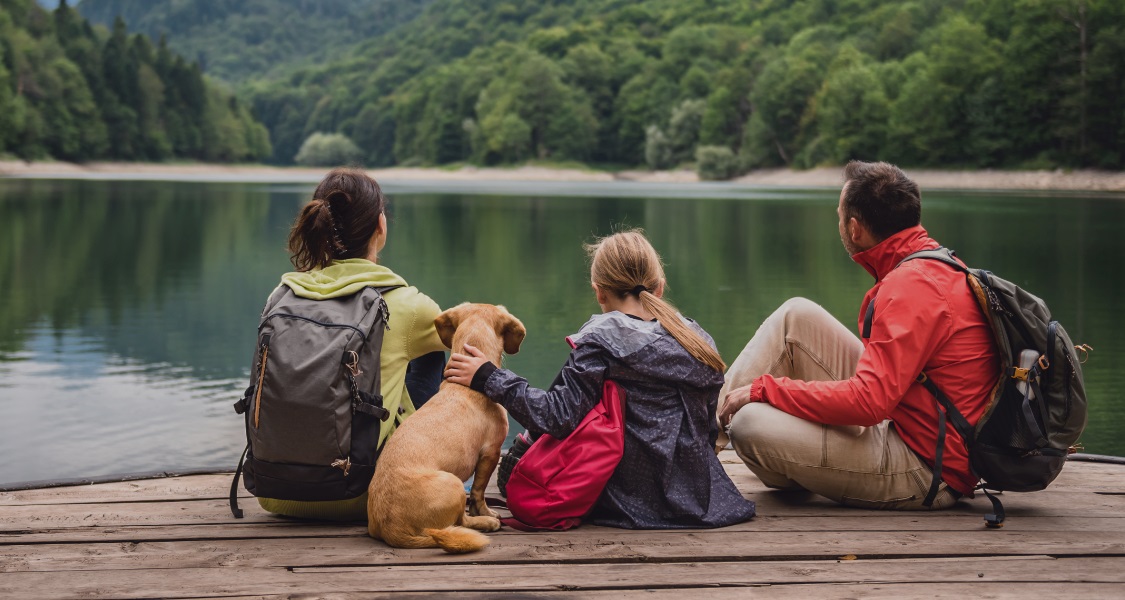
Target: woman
[335,245]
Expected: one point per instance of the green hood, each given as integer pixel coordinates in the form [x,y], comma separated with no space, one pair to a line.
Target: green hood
[341,278]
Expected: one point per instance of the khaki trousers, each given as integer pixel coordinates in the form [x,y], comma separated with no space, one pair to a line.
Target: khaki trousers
[868,467]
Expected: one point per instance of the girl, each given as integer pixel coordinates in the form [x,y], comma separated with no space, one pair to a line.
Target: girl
[335,244]
[669,476]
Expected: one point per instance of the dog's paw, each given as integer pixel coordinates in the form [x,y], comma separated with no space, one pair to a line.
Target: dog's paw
[491,523]
[482,523]
[482,510]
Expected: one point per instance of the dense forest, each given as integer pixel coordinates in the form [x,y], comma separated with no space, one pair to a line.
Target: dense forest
[255,39]
[72,91]
[728,85]
[953,83]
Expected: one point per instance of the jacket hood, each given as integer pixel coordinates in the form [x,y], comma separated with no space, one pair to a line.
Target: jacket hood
[883,257]
[647,348]
[341,278]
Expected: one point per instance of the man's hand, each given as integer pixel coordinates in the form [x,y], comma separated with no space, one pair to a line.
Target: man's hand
[462,367]
[734,400]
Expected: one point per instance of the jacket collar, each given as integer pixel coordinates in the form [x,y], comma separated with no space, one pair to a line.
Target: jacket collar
[883,257]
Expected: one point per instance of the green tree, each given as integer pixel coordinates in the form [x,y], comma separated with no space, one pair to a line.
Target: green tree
[930,120]
[849,113]
[328,150]
[715,163]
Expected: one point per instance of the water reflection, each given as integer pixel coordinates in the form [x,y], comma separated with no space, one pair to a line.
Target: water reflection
[128,309]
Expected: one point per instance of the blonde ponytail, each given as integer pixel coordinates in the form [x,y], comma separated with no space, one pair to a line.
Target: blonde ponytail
[626,263]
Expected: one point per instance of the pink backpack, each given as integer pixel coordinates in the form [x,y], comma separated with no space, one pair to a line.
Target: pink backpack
[557,482]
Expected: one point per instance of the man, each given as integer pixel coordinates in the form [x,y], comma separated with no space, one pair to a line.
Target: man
[843,417]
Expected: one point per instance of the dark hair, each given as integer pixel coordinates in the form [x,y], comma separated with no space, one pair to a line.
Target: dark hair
[882,197]
[339,222]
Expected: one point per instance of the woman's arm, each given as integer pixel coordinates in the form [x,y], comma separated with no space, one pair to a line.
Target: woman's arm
[556,411]
[422,336]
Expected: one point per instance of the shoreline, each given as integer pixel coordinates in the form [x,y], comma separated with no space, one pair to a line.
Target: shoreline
[822,177]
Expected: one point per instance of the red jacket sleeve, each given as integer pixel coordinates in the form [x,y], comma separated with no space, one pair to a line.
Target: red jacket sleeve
[912,318]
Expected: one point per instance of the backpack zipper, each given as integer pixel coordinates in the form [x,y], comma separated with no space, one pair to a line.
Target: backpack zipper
[261,378]
[315,322]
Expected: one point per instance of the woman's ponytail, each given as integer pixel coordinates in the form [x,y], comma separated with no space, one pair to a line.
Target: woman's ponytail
[339,221]
[626,263]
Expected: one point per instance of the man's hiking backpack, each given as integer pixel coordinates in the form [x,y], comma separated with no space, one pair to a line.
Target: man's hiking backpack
[1038,407]
[313,409]
[557,481]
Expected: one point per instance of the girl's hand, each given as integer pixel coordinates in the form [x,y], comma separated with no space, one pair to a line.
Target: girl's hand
[462,367]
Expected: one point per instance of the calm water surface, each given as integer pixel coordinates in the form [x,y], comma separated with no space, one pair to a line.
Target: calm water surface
[128,309]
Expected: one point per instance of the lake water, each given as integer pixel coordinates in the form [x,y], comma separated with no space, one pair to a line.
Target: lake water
[128,309]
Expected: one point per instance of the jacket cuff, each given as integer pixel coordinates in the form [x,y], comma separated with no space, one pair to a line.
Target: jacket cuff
[481,377]
[758,391]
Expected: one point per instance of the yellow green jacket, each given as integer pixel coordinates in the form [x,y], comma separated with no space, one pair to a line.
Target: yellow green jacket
[411,334]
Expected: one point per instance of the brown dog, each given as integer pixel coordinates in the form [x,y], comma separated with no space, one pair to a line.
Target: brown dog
[417,495]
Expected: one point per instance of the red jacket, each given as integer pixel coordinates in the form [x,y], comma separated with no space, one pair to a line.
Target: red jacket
[926,319]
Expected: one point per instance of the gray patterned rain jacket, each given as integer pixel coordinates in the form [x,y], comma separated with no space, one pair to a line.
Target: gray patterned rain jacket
[669,476]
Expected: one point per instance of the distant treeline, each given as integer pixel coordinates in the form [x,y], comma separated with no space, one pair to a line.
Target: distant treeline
[74,92]
[736,84]
[241,40]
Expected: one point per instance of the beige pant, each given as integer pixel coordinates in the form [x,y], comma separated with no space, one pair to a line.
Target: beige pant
[869,467]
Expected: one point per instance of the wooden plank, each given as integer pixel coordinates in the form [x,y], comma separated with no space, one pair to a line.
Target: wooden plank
[600,546]
[278,528]
[858,591]
[1078,476]
[178,583]
[21,518]
[191,487]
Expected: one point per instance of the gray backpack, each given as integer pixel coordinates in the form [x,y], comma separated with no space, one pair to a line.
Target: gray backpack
[313,408]
[1038,408]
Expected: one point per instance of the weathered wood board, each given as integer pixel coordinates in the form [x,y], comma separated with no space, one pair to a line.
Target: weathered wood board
[174,537]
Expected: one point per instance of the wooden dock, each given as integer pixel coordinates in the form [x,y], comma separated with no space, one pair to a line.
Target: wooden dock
[175,538]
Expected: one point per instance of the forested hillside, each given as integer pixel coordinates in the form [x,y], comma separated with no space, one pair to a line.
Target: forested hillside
[250,39]
[74,92]
[954,83]
[729,85]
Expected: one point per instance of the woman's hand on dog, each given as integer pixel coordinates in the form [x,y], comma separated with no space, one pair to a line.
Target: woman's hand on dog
[462,367]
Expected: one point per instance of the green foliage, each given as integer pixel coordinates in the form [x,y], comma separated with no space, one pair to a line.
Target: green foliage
[250,39]
[985,83]
[76,93]
[328,150]
[715,163]
[658,149]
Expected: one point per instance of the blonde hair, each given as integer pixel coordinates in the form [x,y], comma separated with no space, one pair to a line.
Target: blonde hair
[626,263]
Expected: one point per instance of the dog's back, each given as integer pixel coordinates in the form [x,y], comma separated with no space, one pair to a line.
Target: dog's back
[417,495]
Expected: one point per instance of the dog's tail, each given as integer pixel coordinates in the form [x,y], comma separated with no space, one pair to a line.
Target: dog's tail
[458,540]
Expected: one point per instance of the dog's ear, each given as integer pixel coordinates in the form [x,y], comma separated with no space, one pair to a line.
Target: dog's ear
[512,330]
[446,323]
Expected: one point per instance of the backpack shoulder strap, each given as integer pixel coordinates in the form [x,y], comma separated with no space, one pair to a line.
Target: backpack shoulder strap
[940,254]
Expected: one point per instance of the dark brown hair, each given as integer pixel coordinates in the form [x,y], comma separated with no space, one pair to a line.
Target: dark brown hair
[339,222]
[882,197]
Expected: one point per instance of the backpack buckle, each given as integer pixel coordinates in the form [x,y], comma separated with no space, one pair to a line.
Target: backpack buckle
[1021,373]
[1044,364]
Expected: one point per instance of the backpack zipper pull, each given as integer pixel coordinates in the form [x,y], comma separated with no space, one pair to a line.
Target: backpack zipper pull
[344,464]
[352,363]
[265,348]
